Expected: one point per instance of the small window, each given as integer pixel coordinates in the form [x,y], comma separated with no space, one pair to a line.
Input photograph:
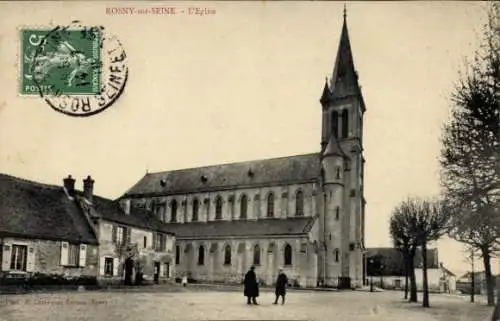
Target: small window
[159,242]
[18,257]
[201,255]
[299,204]
[337,213]
[336,253]
[177,255]
[218,208]
[256,255]
[108,266]
[145,241]
[196,205]
[288,255]
[173,206]
[338,172]
[270,205]
[227,255]
[243,206]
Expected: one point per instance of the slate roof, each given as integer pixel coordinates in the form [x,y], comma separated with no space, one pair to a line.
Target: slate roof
[34,210]
[283,170]
[111,210]
[239,228]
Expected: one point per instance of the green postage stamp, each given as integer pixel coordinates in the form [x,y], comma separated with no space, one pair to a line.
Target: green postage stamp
[63,61]
[77,70]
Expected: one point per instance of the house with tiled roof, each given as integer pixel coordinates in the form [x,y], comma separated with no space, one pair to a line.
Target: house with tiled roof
[58,230]
[386,269]
[304,213]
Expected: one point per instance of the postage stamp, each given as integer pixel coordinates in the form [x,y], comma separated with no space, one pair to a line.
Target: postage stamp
[78,70]
[64,61]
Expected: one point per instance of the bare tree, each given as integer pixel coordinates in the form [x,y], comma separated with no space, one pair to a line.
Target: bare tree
[470,155]
[404,239]
[431,223]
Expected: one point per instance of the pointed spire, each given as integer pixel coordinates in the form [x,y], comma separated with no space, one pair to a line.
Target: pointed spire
[344,79]
[333,148]
[325,96]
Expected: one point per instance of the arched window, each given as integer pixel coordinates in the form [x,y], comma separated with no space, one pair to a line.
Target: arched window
[173,206]
[288,255]
[335,124]
[337,213]
[218,208]
[196,206]
[299,204]
[270,205]
[345,123]
[177,255]
[256,255]
[227,255]
[336,253]
[243,206]
[201,255]
[338,172]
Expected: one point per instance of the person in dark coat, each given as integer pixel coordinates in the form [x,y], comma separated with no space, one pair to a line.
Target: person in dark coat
[281,284]
[251,286]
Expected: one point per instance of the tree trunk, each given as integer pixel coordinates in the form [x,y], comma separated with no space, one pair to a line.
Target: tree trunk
[413,281]
[425,281]
[490,284]
[407,274]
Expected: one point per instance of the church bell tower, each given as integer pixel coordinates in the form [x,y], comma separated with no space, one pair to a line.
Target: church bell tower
[343,214]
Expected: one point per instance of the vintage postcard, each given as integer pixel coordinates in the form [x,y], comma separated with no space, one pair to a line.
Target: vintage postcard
[249,160]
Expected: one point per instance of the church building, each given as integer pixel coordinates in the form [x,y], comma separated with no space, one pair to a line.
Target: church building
[303,213]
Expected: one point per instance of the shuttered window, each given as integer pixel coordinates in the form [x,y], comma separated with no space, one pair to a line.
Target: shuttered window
[73,254]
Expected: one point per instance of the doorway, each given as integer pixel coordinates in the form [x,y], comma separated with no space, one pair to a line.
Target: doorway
[129,270]
[157,272]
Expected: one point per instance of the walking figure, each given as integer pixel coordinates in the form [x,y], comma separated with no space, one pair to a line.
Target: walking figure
[251,286]
[281,284]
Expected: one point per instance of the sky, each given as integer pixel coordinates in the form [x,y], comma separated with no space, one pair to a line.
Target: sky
[244,83]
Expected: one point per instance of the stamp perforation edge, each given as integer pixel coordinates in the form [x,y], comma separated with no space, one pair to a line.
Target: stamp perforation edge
[19,59]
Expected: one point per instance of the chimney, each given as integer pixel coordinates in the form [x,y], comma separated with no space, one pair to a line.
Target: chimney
[88,188]
[69,184]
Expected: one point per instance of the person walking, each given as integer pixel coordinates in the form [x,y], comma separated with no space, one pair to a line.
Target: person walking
[251,286]
[281,284]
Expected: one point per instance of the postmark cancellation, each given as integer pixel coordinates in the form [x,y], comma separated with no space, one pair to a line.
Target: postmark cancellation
[76,69]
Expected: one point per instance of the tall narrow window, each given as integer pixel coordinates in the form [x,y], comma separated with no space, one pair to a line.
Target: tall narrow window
[218,208]
[336,253]
[201,255]
[177,255]
[345,123]
[270,205]
[288,255]
[256,255]
[196,206]
[335,124]
[337,213]
[299,204]
[173,207]
[227,255]
[243,206]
